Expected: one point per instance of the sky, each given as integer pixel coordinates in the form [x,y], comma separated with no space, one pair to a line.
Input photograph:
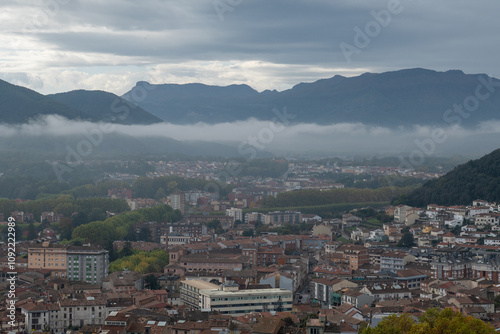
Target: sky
[60,45]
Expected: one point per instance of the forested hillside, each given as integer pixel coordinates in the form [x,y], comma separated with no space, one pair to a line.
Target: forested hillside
[476,179]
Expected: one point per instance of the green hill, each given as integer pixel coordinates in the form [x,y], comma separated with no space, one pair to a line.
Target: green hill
[106,106]
[19,104]
[476,179]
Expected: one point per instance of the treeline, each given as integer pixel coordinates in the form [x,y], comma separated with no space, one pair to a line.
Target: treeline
[325,211]
[477,179]
[26,176]
[264,168]
[160,187]
[334,196]
[142,262]
[99,189]
[93,208]
[116,228]
[370,181]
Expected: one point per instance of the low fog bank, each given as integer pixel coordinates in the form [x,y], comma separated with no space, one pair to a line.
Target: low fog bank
[250,138]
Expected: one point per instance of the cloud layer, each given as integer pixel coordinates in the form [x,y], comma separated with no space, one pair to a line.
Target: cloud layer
[60,45]
[336,139]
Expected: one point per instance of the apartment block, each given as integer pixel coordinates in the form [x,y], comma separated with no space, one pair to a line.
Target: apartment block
[238,302]
[190,291]
[77,263]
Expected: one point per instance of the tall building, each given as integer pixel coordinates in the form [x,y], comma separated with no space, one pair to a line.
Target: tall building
[78,263]
[177,201]
[87,264]
[238,302]
[280,218]
[236,213]
[227,299]
[190,291]
[355,255]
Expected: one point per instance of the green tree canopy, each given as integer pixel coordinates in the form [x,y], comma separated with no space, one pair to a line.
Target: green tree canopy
[433,321]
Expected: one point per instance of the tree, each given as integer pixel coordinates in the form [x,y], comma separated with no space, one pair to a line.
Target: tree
[66,228]
[126,250]
[497,302]
[247,233]
[96,214]
[80,218]
[144,234]
[407,240]
[151,282]
[433,321]
[31,231]
[66,209]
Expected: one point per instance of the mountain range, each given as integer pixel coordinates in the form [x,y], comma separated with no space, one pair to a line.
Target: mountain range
[405,97]
[19,105]
[399,98]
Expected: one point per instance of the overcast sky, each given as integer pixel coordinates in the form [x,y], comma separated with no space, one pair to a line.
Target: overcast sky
[60,45]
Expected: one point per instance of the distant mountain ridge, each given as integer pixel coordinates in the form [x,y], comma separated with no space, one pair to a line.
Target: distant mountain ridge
[391,99]
[476,179]
[19,105]
[405,97]
[105,106]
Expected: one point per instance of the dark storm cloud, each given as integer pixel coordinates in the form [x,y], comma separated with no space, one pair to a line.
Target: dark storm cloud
[91,36]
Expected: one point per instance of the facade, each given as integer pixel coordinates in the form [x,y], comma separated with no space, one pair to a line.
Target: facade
[381,293]
[77,263]
[329,291]
[87,264]
[88,311]
[38,316]
[253,217]
[190,292]
[212,262]
[177,239]
[57,316]
[393,261]
[451,269]
[50,257]
[280,218]
[123,282]
[354,256]
[246,301]
[177,201]
[356,298]
[236,213]
[226,221]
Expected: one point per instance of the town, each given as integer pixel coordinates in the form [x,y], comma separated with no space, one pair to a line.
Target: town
[232,272]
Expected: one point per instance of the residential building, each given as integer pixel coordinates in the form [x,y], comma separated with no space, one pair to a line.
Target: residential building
[177,201]
[354,255]
[280,218]
[356,298]
[328,291]
[123,281]
[77,263]
[190,291]
[236,213]
[394,261]
[38,316]
[238,302]
[87,264]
